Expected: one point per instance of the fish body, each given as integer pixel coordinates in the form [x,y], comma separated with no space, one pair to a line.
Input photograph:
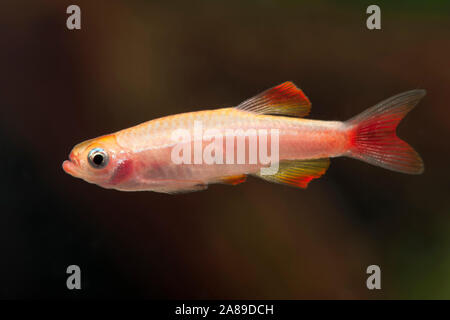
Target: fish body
[188,151]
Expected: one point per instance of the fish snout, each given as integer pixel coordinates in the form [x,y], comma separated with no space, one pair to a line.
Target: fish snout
[73,158]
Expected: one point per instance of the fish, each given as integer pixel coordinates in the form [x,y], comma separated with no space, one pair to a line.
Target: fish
[187,152]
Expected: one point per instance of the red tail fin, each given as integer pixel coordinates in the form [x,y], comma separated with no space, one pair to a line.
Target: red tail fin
[373,137]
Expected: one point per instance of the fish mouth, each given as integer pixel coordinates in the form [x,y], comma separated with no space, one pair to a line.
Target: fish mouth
[70,166]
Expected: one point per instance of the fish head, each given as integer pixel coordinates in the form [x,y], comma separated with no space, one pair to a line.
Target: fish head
[97,161]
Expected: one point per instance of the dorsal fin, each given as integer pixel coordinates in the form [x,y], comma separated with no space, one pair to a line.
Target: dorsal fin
[298,173]
[285,99]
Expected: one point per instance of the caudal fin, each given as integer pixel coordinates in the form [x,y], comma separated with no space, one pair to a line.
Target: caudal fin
[373,138]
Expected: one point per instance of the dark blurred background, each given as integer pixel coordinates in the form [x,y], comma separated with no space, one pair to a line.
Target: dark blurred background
[133,61]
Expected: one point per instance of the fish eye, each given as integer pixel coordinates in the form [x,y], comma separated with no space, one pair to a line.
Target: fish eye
[98,158]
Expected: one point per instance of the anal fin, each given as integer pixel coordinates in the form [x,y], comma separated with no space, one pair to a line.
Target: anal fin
[298,173]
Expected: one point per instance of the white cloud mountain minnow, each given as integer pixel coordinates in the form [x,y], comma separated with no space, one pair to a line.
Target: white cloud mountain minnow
[142,157]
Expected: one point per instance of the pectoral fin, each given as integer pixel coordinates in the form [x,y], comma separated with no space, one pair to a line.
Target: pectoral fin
[184,189]
[298,173]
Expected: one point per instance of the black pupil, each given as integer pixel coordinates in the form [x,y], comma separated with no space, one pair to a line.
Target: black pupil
[98,159]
